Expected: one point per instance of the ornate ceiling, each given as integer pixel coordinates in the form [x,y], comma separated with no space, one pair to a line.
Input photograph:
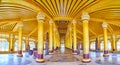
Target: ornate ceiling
[62,12]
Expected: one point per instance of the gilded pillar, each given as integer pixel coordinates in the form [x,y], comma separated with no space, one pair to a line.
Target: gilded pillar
[11,43]
[50,37]
[98,43]
[104,25]
[74,37]
[20,39]
[40,57]
[54,39]
[27,44]
[85,18]
[113,43]
[70,34]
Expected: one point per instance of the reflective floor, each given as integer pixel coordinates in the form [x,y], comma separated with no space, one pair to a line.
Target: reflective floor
[64,57]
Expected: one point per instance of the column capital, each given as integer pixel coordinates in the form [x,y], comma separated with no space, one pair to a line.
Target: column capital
[27,38]
[113,36]
[50,21]
[20,24]
[85,16]
[57,33]
[54,29]
[74,21]
[70,29]
[11,35]
[40,16]
[104,25]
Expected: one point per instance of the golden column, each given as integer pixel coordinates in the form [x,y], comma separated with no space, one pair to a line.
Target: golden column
[98,43]
[27,44]
[20,39]
[70,34]
[113,43]
[40,18]
[68,40]
[50,37]
[104,25]
[74,37]
[54,39]
[11,43]
[85,18]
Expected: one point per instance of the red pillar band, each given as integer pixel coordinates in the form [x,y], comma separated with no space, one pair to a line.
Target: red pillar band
[35,53]
[105,51]
[19,53]
[86,56]
[40,56]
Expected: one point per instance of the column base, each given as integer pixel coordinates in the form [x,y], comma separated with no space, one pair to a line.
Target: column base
[20,55]
[40,60]
[113,51]
[86,60]
[105,55]
[50,52]
[11,50]
[26,50]
[75,52]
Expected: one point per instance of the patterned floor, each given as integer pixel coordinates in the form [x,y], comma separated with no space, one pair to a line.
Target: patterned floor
[67,56]
[60,58]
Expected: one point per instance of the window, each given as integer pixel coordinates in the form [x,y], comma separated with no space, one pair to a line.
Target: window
[32,45]
[4,45]
[16,45]
[92,45]
[118,45]
[102,45]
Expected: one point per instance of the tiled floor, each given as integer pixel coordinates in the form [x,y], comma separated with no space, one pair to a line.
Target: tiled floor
[60,58]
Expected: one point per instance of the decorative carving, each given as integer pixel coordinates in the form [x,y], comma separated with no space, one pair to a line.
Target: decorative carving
[113,36]
[20,24]
[51,21]
[40,16]
[104,25]
[85,16]
[54,29]
[74,21]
